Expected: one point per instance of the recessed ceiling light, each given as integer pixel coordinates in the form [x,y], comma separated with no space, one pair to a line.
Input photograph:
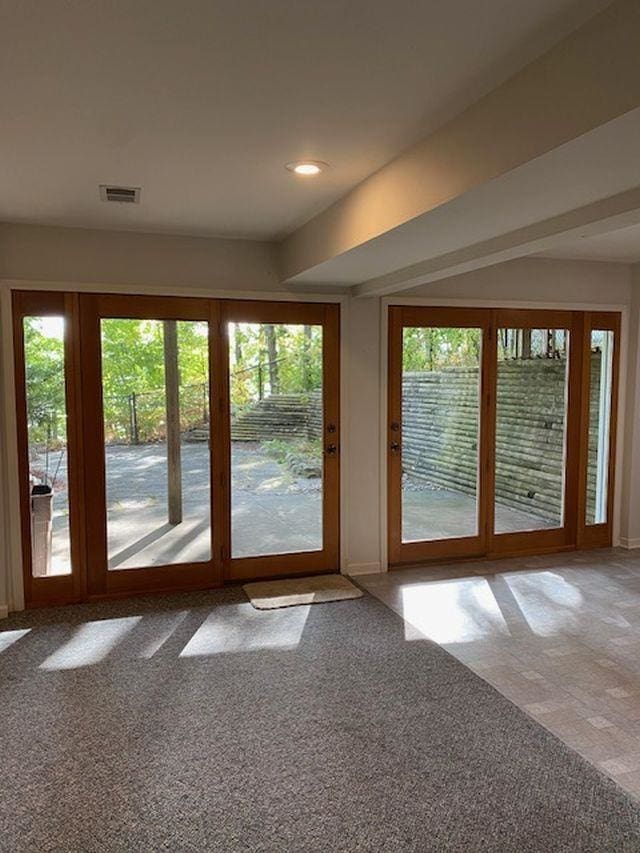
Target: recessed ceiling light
[306,167]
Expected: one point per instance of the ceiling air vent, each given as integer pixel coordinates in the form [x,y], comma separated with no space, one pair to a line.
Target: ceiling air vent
[128,195]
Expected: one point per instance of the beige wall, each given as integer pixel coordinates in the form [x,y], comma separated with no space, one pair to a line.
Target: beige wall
[536,280]
[50,254]
[630,499]
[140,262]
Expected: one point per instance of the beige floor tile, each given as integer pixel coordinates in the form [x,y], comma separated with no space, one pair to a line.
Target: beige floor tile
[558,635]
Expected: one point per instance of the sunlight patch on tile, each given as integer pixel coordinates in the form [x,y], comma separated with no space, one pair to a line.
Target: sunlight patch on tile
[456,611]
[533,594]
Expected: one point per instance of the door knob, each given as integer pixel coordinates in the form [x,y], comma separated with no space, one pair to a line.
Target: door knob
[394,447]
[331,450]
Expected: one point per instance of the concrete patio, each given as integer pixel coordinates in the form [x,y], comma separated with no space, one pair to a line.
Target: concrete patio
[273,511]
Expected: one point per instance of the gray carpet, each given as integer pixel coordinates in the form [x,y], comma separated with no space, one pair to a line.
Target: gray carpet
[210,725]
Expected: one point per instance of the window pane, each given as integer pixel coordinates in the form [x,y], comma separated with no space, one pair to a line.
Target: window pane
[47,441]
[276,438]
[155,379]
[531,412]
[599,425]
[440,432]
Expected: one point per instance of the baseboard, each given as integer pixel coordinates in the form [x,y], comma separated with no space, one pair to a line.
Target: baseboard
[363,569]
[4,611]
[629,543]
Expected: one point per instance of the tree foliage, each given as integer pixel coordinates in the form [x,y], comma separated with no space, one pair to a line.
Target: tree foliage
[263,360]
[44,363]
[274,359]
[425,349]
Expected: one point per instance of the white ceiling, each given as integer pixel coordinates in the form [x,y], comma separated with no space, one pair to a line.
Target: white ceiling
[570,176]
[622,246]
[201,102]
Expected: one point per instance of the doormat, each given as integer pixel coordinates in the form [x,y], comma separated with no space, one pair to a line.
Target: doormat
[270,595]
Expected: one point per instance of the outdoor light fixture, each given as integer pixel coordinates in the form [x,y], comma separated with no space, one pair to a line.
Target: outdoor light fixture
[306,167]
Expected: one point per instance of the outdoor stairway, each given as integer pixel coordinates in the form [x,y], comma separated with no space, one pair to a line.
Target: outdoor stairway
[278,416]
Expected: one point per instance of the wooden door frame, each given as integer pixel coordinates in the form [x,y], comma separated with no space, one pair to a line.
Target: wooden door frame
[598,535]
[102,582]
[302,562]
[574,533]
[90,578]
[400,552]
[57,589]
[557,538]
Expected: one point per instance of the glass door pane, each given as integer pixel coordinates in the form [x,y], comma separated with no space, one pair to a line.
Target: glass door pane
[531,417]
[155,390]
[276,396]
[440,432]
[44,362]
[600,388]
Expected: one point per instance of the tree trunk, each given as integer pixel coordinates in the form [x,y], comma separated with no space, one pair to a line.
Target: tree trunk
[306,358]
[172,402]
[237,342]
[272,354]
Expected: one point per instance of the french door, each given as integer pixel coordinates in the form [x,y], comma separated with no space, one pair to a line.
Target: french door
[280,466]
[501,431]
[174,443]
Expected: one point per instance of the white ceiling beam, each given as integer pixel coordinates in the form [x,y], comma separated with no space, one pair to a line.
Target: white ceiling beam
[588,79]
[608,214]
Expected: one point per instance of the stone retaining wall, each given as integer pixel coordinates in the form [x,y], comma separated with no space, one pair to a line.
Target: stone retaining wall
[440,432]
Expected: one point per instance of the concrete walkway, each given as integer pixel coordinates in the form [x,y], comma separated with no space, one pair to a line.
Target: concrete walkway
[429,514]
[273,511]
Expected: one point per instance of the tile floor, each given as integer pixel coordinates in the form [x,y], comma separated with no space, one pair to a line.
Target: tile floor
[558,635]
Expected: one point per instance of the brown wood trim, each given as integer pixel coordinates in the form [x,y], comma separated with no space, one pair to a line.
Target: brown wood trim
[75,445]
[394,416]
[565,535]
[522,542]
[331,372]
[94,461]
[217,458]
[279,565]
[528,540]
[613,427]
[488,430]
[439,549]
[400,317]
[118,306]
[269,311]
[533,318]
[57,589]
[422,316]
[575,394]
[175,576]
[328,316]
[101,580]
[224,442]
[19,312]
[483,558]
[598,535]
[85,440]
